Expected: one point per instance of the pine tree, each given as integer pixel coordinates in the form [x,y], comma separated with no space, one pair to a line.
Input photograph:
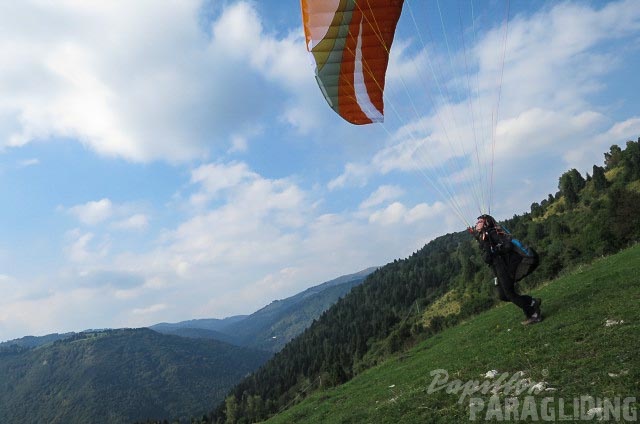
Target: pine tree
[613,158]
[570,184]
[231,409]
[600,182]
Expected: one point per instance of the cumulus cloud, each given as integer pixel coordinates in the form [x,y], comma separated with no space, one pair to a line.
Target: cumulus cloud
[138,221]
[255,213]
[273,285]
[119,216]
[399,213]
[93,212]
[354,175]
[214,178]
[84,248]
[381,195]
[257,238]
[582,157]
[155,86]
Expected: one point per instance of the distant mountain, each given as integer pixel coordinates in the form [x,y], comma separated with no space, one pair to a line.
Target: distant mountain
[212,324]
[271,327]
[197,333]
[119,376]
[33,341]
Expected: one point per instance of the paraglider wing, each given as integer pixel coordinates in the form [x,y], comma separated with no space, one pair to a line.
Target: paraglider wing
[350,42]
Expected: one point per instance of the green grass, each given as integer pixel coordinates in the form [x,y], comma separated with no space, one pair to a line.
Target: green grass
[571,350]
[446,305]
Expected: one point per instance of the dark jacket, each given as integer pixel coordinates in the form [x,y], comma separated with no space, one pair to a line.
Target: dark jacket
[492,244]
[498,253]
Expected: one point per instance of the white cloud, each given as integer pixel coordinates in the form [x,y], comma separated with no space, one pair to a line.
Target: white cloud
[214,178]
[42,315]
[75,309]
[119,216]
[264,238]
[84,248]
[381,195]
[154,86]
[78,249]
[93,212]
[28,162]
[152,309]
[541,129]
[138,221]
[253,222]
[354,175]
[398,213]
[273,285]
[390,215]
[625,130]
[582,157]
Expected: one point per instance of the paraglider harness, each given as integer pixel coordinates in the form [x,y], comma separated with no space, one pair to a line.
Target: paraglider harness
[502,241]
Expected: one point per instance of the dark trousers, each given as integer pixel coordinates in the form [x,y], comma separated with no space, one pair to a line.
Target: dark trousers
[504,267]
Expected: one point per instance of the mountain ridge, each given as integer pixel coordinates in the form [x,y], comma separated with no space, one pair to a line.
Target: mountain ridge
[273,325]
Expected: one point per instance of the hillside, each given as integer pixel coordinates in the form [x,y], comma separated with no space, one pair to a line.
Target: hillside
[29,342]
[195,333]
[210,324]
[118,376]
[443,284]
[586,346]
[273,326]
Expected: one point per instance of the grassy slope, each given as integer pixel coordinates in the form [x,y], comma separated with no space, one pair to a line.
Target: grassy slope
[572,350]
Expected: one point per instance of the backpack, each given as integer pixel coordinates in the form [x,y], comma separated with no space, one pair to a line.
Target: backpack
[529,257]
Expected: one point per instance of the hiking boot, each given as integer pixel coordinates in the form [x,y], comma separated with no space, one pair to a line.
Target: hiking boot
[536,306]
[533,319]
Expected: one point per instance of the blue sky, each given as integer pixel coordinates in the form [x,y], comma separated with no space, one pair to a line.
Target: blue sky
[163,161]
